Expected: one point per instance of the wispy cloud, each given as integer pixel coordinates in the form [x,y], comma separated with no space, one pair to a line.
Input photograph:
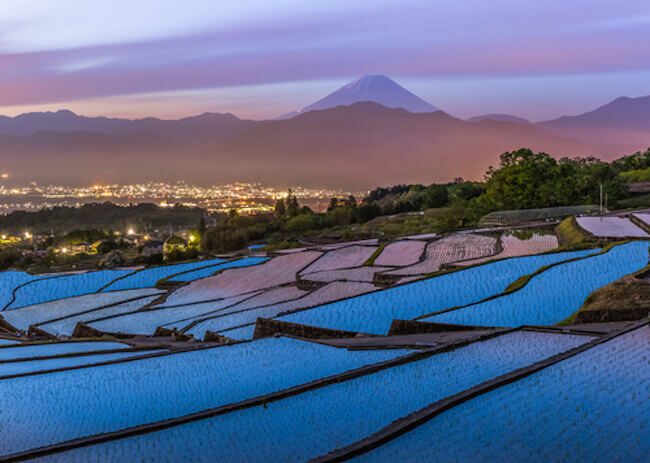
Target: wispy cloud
[49,55]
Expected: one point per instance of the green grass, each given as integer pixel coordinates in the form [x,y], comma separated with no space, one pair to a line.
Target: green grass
[570,234]
[371,259]
[403,224]
[633,176]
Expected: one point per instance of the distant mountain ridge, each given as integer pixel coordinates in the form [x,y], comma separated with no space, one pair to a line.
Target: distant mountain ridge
[213,124]
[500,118]
[623,119]
[373,88]
[350,145]
[623,112]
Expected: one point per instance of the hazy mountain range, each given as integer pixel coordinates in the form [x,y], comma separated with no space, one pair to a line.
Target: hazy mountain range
[370,132]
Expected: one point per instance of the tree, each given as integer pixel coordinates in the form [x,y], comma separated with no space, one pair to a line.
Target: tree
[453,217]
[524,180]
[436,196]
[292,205]
[112,259]
[466,190]
[368,211]
[301,223]
[201,228]
[280,209]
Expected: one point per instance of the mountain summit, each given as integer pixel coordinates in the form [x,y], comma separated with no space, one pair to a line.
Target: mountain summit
[376,88]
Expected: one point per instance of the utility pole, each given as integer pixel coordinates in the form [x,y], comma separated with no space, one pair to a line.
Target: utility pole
[601,200]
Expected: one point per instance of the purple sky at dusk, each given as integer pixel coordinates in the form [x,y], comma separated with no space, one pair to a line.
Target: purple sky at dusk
[258,59]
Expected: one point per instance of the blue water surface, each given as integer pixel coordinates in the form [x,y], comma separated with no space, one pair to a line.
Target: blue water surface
[555,294]
[374,312]
[9,280]
[313,423]
[32,366]
[56,348]
[64,286]
[148,277]
[56,407]
[592,407]
[206,272]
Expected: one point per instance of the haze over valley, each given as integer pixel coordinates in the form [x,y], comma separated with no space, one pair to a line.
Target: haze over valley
[350,139]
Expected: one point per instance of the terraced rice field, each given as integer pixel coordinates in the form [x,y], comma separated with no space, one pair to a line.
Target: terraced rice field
[86,401]
[148,277]
[643,217]
[374,312]
[27,359]
[329,247]
[592,407]
[515,247]
[232,282]
[65,326]
[400,253]
[366,274]
[35,366]
[146,321]
[611,227]
[555,294]
[174,397]
[63,286]
[451,249]
[204,272]
[352,256]
[53,349]
[24,317]
[338,414]
[9,280]
[327,293]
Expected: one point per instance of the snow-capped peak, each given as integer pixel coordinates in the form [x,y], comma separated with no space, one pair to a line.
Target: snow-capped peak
[376,88]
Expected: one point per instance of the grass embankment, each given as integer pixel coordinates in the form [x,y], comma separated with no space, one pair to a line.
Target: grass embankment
[626,299]
[569,233]
[523,280]
[371,259]
[408,223]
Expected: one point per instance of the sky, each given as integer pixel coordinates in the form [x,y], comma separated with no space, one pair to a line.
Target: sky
[259,58]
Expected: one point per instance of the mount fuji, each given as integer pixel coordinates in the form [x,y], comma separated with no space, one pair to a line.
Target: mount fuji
[374,88]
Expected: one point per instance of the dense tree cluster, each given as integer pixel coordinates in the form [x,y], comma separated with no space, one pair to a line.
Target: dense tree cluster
[527,180]
[523,180]
[105,216]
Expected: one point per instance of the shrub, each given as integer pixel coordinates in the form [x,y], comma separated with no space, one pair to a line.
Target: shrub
[112,259]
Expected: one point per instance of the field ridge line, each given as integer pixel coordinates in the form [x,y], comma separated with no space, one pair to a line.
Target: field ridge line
[410,422]
[248,403]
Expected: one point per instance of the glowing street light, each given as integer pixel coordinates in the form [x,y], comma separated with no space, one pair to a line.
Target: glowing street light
[64,250]
[192,238]
[4,237]
[130,231]
[28,235]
